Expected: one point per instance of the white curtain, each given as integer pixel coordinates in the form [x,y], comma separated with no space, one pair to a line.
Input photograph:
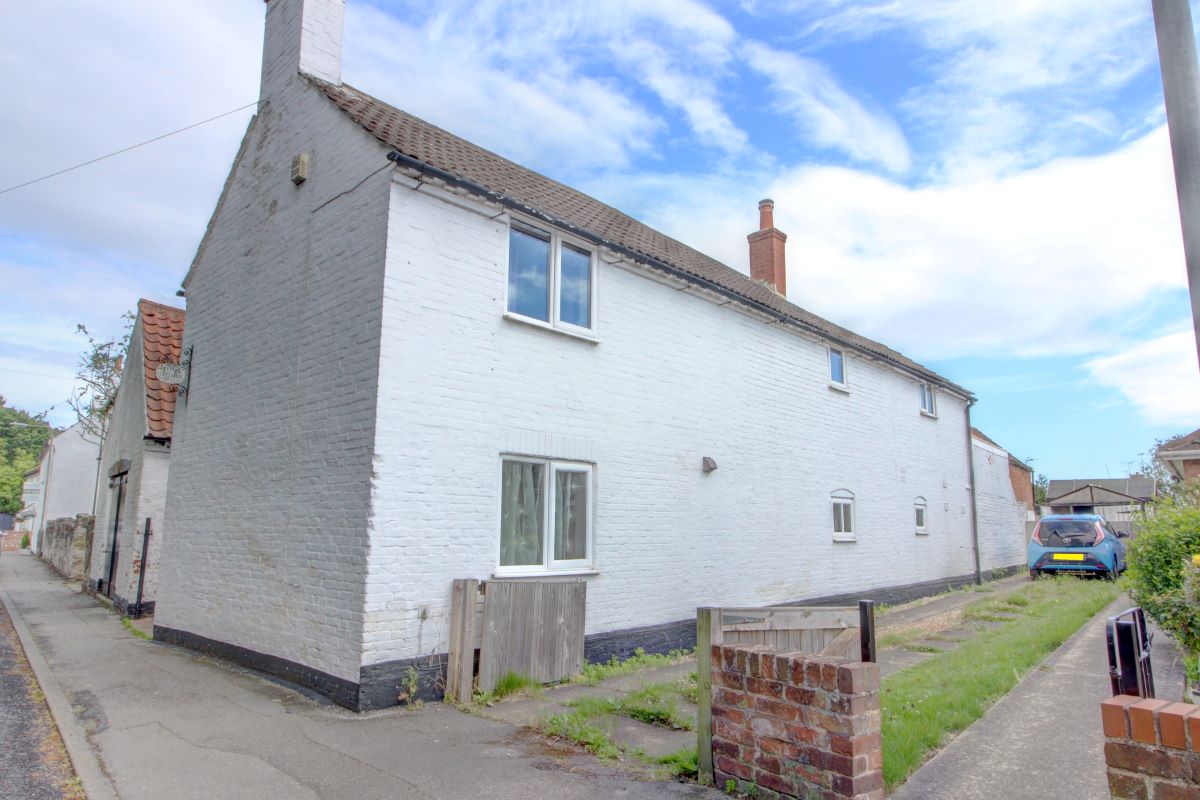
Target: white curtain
[522,510]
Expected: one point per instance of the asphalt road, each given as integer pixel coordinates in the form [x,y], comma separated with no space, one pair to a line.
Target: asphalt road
[33,763]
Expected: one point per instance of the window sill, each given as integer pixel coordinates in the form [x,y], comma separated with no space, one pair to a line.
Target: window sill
[545,573]
[841,538]
[839,387]
[922,533]
[925,413]
[574,333]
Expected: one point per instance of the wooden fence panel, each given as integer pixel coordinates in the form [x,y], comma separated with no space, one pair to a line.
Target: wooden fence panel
[460,666]
[533,628]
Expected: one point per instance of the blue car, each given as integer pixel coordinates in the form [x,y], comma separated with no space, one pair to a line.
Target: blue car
[1076,543]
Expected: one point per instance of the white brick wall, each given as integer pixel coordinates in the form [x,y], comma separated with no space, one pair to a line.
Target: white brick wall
[1001,516]
[674,378]
[266,522]
[67,477]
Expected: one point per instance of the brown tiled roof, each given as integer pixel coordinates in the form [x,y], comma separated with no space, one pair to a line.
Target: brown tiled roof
[978,434]
[162,340]
[1189,441]
[427,143]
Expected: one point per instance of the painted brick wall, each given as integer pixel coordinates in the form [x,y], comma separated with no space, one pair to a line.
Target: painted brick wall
[265,542]
[67,478]
[145,491]
[1001,514]
[793,725]
[674,377]
[1152,748]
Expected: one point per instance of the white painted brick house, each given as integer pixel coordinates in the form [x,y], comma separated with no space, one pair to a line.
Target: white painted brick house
[444,365]
[1005,503]
[134,461]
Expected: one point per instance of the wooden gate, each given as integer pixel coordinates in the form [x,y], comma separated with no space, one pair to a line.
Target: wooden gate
[532,628]
[830,631]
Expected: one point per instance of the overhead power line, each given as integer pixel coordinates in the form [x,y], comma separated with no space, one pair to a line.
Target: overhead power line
[127,149]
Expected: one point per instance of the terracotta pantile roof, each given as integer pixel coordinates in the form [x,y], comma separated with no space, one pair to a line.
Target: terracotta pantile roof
[162,340]
[427,143]
[1189,441]
[978,434]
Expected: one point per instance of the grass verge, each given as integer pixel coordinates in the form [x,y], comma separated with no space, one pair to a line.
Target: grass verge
[653,704]
[128,625]
[926,703]
[578,728]
[510,683]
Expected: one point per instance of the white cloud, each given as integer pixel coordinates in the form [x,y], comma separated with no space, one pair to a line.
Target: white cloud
[1063,259]
[1159,377]
[810,94]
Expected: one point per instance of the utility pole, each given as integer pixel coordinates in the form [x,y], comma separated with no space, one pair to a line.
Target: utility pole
[1181,90]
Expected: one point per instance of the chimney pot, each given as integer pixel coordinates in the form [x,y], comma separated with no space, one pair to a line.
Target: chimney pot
[766,250]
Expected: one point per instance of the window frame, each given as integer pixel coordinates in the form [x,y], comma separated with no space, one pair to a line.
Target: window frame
[843,499]
[922,522]
[926,391]
[549,565]
[844,384]
[557,240]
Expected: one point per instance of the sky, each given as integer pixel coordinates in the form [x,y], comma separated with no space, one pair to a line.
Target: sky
[984,186]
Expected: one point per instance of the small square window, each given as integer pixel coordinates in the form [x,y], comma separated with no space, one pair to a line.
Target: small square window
[837,366]
[539,496]
[550,280]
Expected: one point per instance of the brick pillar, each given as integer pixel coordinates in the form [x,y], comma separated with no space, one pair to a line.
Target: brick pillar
[1152,749]
[795,725]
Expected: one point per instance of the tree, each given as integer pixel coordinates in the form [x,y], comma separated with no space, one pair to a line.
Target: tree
[22,437]
[98,378]
[1165,483]
[1041,485]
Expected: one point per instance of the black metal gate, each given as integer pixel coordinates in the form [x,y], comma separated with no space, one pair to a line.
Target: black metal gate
[115,549]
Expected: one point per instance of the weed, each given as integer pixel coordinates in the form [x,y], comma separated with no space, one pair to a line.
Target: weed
[409,686]
[730,786]
[654,704]
[25,541]
[575,727]
[594,673]
[128,625]
[681,763]
[923,648]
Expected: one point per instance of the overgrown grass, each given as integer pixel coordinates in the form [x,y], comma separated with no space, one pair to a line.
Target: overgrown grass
[654,704]
[924,704]
[594,673]
[510,683]
[681,763]
[128,625]
[578,728]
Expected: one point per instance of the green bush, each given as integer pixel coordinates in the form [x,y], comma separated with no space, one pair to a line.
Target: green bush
[25,541]
[1159,559]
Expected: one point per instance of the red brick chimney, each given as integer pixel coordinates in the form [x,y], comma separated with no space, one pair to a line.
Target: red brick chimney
[766,250]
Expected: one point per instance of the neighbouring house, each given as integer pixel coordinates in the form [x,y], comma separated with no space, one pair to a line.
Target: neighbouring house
[1181,456]
[63,484]
[1115,499]
[416,361]
[1004,502]
[134,462]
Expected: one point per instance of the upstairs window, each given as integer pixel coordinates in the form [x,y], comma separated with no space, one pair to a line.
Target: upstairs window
[837,367]
[545,515]
[550,280]
[928,403]
[843,514]
[920,511]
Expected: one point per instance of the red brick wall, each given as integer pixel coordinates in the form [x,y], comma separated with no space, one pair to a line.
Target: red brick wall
[795,725]
[1151,749]
[1022,483]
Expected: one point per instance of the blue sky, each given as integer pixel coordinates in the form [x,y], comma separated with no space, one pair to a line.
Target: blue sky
[984,186]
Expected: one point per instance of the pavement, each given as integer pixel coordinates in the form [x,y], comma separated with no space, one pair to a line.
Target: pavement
[143,721]
[1043,739]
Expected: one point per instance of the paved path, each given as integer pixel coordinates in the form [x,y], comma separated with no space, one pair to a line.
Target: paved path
[1043,739]
[150,721]
[33,762]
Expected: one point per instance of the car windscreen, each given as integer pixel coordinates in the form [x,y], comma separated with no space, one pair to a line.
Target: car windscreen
[1068,532]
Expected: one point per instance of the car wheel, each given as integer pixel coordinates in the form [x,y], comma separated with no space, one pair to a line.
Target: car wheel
[1034,574]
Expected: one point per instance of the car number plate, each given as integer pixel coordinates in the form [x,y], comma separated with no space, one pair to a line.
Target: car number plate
[1068,556]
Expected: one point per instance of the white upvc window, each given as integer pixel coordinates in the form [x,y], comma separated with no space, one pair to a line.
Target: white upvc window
[842,501]
[920,514]
[551,279]
[545,515]
[928,400]
[837,368]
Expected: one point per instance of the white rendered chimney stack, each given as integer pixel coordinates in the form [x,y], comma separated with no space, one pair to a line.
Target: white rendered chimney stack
[302,36]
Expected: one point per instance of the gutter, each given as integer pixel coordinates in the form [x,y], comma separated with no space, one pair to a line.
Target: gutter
[424,168]
[971,489]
